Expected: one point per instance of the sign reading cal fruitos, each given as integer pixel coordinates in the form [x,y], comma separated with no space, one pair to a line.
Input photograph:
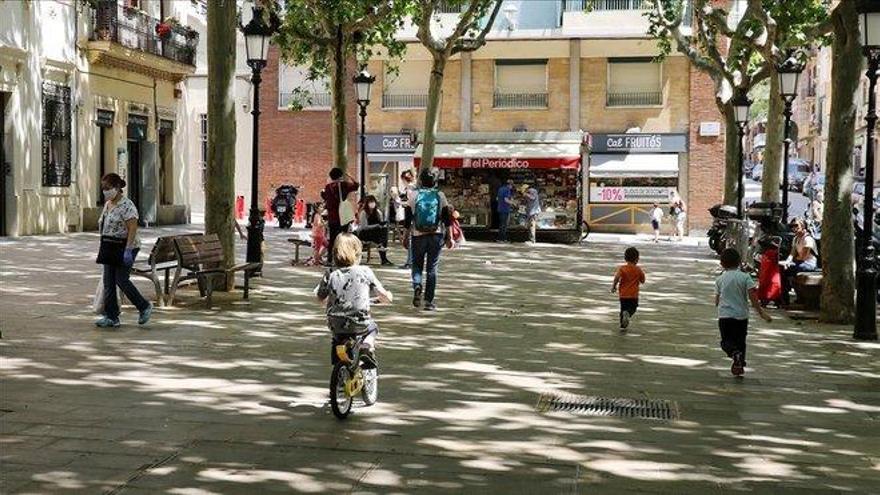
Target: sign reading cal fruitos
[629,194]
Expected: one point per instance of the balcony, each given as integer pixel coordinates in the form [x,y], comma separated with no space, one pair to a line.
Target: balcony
[634,99]
[414,101]
[519,100]
[304,100]
[603,5]
[127,38]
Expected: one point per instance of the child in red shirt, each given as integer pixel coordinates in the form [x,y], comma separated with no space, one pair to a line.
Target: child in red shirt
[628,278]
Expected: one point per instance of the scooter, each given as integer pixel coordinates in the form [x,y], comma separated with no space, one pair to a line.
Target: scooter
[283,204]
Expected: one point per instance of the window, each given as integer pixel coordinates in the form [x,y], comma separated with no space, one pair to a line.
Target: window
[634,82]
[203,150]
[520,84]
[820,111]
[408,88]
[166,162]
[56,135]
[299,89]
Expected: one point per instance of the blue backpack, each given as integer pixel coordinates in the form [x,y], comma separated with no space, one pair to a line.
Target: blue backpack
[427,214]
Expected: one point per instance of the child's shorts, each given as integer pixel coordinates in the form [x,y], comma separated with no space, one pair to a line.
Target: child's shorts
[655,224]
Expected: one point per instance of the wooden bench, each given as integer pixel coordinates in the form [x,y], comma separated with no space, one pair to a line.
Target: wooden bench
[202,256]
[298,243]
[162,258]
[808,288]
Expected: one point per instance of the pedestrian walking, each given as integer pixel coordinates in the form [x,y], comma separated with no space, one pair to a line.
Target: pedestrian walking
[408,182]
[429,231]
[734,289]
[533,209]
[678,211]
[627,279]
[120,244]
[334,195]
[505,201]
[656,220]
[373,228]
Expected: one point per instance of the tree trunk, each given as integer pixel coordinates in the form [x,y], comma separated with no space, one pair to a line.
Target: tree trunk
[220,181]
[338,80]
[837,224]
[435,91]
[773,159]
[731,154]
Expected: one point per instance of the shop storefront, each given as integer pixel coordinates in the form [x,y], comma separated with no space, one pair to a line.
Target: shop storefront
[474,165]
[630,172]
[387,156]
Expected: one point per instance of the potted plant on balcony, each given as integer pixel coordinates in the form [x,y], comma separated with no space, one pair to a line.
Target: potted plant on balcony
[163,30]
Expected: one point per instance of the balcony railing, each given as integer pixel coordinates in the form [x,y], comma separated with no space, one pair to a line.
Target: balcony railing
[405,100]
[450,7]
[307,100]
[520,100]
[134,29]
[634,98]
[603,5]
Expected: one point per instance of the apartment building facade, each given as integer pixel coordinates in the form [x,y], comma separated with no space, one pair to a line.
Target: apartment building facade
[547,68]
[88,88]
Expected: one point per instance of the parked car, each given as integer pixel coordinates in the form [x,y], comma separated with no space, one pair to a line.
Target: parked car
[798,171]
[758,172]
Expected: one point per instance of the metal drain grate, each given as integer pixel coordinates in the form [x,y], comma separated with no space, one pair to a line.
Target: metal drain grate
[606,406]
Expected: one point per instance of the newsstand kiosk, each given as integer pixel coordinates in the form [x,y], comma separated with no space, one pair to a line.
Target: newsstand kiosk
[473,165]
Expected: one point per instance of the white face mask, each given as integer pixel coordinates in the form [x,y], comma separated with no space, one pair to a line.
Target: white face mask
[110,194]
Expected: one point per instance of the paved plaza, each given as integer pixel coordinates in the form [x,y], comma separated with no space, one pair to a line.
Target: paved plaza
[233,400]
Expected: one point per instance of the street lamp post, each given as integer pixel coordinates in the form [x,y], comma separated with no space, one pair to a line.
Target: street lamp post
[741,104]
[789,72]
[866,278]
[256,36]
[362,83]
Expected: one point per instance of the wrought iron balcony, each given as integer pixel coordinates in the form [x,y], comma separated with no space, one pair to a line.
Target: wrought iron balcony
[416,101]
[519,100]
[306,100]
[603,5]
[634,98]
[136,30]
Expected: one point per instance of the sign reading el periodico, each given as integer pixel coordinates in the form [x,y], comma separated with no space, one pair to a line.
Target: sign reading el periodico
[629,194]
[639,143]
[564,162]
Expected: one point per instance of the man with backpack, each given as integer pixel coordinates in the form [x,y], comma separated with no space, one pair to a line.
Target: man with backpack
[429,231]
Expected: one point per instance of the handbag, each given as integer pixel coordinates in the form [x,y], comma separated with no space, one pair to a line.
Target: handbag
[112,249]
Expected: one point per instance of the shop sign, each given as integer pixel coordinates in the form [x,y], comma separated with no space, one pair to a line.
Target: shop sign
[630,194]
[639,143]
[507,163]
[710,129]
[389,143]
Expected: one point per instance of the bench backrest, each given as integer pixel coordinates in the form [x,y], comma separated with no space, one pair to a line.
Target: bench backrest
[163,250]
[196,251]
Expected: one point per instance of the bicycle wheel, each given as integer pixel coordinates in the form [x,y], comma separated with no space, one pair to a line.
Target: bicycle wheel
[339,402]
[370,392]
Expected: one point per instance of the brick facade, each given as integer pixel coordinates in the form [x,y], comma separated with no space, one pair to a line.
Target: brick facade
[295,146]
[706,157]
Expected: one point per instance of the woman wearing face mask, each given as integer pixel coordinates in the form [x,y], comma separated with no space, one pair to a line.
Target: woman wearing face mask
[119,247]
[373,228]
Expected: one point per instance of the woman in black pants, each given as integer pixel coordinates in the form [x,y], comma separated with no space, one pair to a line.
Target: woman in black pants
[373,228]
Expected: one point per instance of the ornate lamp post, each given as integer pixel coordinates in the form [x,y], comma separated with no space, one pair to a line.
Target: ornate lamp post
[866,278]
[741,104]
[256,41]
[789,73]
[362,83]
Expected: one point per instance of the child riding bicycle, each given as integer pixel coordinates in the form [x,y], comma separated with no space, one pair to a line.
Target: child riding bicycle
[347,292]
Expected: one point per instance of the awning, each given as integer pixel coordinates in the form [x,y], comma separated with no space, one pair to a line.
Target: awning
[634,165]
[505,155]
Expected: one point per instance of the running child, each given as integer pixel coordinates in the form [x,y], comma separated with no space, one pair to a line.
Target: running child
[628,278]
[734,289]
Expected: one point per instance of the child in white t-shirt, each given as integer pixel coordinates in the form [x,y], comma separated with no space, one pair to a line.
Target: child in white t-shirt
[656,218]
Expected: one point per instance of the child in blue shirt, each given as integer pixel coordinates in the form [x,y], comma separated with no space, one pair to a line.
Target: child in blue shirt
[734,289]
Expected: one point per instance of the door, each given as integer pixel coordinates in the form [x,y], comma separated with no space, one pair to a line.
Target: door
[134,172]
[148,193]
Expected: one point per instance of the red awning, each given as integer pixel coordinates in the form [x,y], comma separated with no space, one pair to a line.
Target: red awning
[563,162]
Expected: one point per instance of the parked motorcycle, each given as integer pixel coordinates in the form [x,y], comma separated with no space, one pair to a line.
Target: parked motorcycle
[721,216]
[283,204]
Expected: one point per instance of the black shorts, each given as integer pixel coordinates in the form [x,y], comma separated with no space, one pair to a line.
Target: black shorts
[655,224]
